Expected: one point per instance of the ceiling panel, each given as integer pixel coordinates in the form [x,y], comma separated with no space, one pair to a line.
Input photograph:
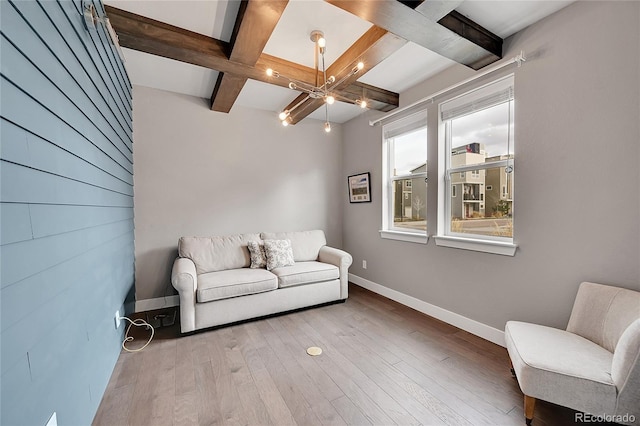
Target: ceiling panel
[340,112]
[211,18]
[166,74]
[291,38]
[256,94]
[505,18]
[408,66]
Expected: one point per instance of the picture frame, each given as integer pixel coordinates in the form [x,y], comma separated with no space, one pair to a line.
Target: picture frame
[359,188]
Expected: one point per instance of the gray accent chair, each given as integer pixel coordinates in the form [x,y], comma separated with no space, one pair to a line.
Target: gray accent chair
[593,366]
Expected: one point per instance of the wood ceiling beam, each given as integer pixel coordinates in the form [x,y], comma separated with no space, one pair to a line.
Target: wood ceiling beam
[157,38]
[377,98]
[255,22]
[437,9]
[453,36]
[371,48]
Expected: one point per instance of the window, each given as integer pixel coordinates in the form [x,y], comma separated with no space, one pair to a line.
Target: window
[478,138]
[405,172]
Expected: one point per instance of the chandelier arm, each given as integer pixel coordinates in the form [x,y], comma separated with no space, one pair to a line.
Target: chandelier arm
[293,108]
[316,53]
[351,73]
[324,77]
[342,98]
[301,84]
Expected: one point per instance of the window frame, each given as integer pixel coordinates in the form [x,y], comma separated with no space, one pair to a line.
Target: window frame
[445,236]
[388,230]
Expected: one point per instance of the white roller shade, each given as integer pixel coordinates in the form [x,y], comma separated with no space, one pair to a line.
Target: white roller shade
[403,125]
[484,97]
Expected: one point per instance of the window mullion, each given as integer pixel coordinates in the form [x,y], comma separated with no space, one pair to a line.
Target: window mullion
[481,166]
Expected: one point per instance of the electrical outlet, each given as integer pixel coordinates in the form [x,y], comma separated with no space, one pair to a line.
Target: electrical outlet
[364,264]
[117,319]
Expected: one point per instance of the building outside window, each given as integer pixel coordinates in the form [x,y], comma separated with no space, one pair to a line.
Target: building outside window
[479,139]
[405,172]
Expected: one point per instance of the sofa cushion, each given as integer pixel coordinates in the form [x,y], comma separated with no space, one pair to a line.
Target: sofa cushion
[305,244]
[305,273]
[212,254]
[257,254]
[234,282]
[551,364]
[278,253]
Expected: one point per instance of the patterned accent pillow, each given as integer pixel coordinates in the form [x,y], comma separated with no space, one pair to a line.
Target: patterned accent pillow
[256,252]
[279,253]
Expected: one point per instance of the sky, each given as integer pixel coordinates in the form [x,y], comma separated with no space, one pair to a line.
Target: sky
[488,127]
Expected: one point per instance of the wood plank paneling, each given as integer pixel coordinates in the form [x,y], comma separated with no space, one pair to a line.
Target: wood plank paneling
[51,219]
[35,291]
[46,157]
[66,205]
[17,69]
[24,185]
[60,61]
[15,223]
[34,256]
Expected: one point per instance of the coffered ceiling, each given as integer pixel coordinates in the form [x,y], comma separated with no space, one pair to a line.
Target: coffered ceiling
[279,31]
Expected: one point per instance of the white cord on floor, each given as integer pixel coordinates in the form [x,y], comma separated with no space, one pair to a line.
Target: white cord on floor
[138,323]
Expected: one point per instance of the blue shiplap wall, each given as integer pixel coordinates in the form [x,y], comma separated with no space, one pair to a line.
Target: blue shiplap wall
[66,241]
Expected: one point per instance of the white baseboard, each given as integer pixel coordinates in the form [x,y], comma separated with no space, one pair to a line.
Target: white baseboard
[467,324]
[157,303]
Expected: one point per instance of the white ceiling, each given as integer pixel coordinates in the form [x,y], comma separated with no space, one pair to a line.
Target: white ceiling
[405,68]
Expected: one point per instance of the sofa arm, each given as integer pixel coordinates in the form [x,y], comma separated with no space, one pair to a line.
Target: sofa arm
[185,280]
[342,260]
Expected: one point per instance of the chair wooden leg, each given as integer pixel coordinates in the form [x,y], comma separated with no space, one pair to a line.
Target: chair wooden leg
[529,406]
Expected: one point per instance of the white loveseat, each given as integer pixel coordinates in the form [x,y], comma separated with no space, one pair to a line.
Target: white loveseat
[217,286]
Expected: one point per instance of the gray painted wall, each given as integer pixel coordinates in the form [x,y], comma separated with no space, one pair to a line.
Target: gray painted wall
[66,212]
[199,172]
[576,182]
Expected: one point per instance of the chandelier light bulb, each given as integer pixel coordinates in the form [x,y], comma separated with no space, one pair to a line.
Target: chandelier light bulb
[330,99]
[322,42]
[363,104]
[269,72]
[327,127]
[285,123]
[283,115]
[360,65]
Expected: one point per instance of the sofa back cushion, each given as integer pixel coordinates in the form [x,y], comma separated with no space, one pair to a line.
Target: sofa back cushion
[211,254]
[305,244]
[601,313]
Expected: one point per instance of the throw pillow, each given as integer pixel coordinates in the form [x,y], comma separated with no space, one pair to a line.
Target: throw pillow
[279,253]
[257,255]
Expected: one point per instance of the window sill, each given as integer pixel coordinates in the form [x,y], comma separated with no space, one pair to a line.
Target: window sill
[409,237]
[494,247]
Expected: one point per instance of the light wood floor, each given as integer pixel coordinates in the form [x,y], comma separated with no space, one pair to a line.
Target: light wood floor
[382,364]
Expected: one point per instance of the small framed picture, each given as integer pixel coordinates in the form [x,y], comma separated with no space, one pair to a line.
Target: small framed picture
[359,188]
